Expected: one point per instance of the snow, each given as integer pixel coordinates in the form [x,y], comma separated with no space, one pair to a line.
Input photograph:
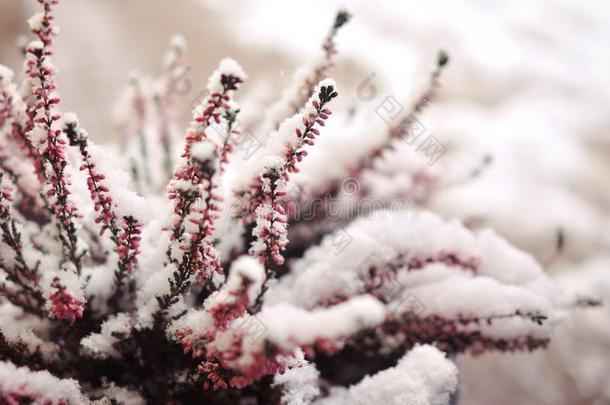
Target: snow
[299,383]
[203,151]
[38,137]
[230,67]
[101,344]
[273,162]
[35,22]
[522,269]
[243,268]
[422,377]
[226,66]
[40,384]
[114,394]
[15,333]
[126,201]
[100,284]
[70,118]
[34,45]
[67,278]
[576,352]
[6,76]
[499,199]
[278,142]
[197,321]
[323,272]
[287,323]
[501,282]
[156,285]
[325,83]
[178,47]
[385,236]
[471,295]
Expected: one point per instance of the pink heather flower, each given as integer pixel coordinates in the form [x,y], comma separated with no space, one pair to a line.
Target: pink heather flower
[125,231]
[129,243]
[43,133]
[65,306]
[270,232]
[271,224]
[194,188]
[184,188]
[222,84]
[239,293]
[232,132]
[13,114]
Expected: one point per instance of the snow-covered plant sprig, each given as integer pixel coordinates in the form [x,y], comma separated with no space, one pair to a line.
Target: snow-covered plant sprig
[194,190]
[166,99]
[306,78]
[45,135]
[406,125]
[125,231]
[17,271]
[270,231]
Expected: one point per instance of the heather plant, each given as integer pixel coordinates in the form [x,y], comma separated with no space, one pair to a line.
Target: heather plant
[178,269]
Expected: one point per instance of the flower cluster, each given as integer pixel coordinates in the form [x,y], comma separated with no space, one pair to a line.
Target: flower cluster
[164,294]
[194,189]
[64,306]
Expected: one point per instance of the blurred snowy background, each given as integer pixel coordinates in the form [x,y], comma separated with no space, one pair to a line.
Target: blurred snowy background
[528,85]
